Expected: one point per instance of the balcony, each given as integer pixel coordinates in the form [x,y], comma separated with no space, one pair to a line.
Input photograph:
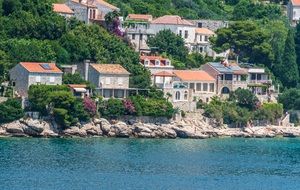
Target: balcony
[163,86]
[232,82]
[260,81]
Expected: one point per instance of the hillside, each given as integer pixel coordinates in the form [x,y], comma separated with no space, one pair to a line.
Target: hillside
[195,9]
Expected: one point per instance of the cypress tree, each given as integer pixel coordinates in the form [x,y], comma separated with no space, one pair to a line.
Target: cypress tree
[289,68]
[297,45]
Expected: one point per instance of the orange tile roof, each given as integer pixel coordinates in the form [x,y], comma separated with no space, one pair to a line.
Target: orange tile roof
[110,69]
[62,8]
[204,31]
[35,67]
[171,19]
[296,2]
[140,17]
[164,74]
[104,3]
[152,57]
[189,75]
[84,4]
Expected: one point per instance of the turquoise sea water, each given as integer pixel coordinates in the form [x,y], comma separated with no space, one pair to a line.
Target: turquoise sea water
[109,164]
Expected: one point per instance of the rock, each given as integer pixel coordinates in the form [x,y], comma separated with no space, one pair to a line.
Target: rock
[35,125]
[49,133]
[29,131]
[184,131]
[131,121]
[105,126]
[14,128]
[97,121]
[144,135]
[167,132]
[141,128]
[121,130]
[92,130]
[75,131]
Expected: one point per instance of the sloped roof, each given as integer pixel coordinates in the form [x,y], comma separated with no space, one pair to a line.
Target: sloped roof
[230,68]
[142,17]
[152,57]
[35,67]
[296,2]
[90,5]
[190,75]
[104,3]
[204,31]
[110,69]
[62,8]
[171,19]
[164,74]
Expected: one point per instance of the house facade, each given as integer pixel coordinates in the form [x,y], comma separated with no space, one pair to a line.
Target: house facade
[25,74]
[229,77]
[111,80]
[293,11]
[137,30]
[90,10]
[212,25]
[63,10]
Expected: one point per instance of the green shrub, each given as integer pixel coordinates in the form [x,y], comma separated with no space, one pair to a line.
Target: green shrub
[113,108]
[11,110]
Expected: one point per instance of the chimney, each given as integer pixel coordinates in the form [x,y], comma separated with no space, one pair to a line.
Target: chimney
[86,69]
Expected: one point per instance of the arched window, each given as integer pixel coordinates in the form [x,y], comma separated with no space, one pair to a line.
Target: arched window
[225,90]
[186,95]
[177,95]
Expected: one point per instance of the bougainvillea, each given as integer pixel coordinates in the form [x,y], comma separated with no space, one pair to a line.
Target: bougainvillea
[90,106]
[129,106]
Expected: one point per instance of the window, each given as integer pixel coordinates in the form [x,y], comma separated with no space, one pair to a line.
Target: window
[198,87]
[192,85]
[177,95]
[141,36]
[157,62]
[199,25]
[201,49]
[133,36]
[186,95]
[186,34]
[38,79]
[253,77]
[228,76]
[168,63]
[200,38]
[258,76]
[206,38]
[146,62]
[120,80]
[180,33]
[205,87]
[107,80]
[211,87]
[52,79]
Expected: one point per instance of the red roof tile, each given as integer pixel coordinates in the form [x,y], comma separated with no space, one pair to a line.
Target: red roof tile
[104,3]
[296,2]
[164,74]
[152,59]
[204,31]
[62,8]
[35,67]
[171,19]
[189,75]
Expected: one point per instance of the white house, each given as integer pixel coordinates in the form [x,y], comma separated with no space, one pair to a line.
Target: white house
[293,11]
[25,74]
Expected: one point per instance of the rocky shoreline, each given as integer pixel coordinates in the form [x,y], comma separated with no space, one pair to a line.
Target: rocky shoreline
[185,128]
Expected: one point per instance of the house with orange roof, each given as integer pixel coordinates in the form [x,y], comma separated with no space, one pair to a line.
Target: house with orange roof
[91,10]
[137,31]
[111,80]
[177,25]
[63,10]
[293,11]
[25,74]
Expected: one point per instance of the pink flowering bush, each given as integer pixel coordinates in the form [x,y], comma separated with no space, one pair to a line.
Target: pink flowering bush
[129,106]
[90,106]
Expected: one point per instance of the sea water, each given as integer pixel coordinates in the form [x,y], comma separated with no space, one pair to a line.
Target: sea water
[158,164]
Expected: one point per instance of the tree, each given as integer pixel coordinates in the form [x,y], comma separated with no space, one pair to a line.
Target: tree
[11,110]
[170,43]
[244,98]
[297,45]
[289,75]
[290,99]
[73,79]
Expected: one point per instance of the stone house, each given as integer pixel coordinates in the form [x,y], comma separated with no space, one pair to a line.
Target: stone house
[293,11]
[91,10]
[63,10]
[212,25]
[25,74]
[111,80]
[137,30]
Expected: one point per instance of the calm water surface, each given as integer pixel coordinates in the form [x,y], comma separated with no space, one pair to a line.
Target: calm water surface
[110,164]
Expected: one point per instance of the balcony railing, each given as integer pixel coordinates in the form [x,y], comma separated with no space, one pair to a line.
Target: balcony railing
[163,86]
[260,81]
[232,82]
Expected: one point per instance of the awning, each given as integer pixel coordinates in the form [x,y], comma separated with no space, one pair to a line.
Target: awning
[80,90]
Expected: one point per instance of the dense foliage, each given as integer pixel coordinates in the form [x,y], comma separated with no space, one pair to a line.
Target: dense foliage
[195,9]
[11,110]
[241,109]
[30,31]
[60,102]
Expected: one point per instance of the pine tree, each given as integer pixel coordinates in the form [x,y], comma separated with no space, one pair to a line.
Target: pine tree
[289,68]
[297,43]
